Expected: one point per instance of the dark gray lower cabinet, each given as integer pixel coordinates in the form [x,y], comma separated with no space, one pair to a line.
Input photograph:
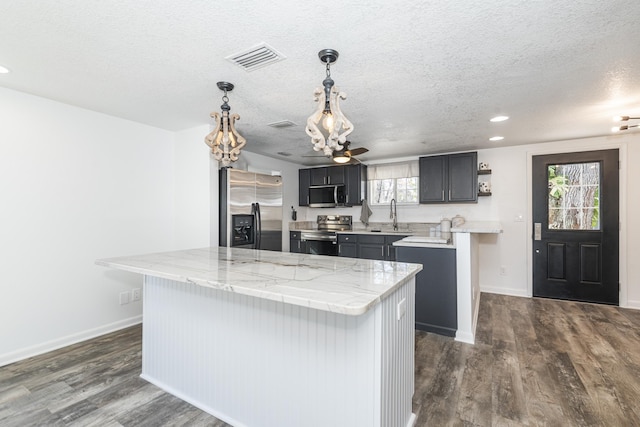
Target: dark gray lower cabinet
[436,295]
[347,246]
[368,246]
[371,247]
[295,244]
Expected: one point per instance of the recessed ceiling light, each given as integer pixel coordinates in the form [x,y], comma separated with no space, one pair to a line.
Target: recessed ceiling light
[499,119]
[496,138]
[3,70]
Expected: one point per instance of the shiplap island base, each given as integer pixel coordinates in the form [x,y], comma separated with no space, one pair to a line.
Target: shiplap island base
[260,338]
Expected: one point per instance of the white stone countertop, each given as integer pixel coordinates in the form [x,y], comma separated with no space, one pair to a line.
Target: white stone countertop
[341,285]
[478,227]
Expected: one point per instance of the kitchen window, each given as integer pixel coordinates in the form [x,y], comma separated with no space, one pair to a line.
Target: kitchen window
[398,181]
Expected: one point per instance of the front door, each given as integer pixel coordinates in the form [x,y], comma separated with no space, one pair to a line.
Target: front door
[576,226]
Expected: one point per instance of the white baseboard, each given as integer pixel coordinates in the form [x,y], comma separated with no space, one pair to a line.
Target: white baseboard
[633,304]
[466,337]
[48,346]
[505,291]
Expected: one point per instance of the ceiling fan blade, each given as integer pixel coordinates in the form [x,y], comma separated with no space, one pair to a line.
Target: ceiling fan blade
[358,151]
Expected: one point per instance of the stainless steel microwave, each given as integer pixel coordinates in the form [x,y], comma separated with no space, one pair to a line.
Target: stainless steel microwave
[327,196]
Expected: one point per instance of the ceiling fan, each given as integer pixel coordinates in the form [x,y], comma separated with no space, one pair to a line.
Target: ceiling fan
[346,155]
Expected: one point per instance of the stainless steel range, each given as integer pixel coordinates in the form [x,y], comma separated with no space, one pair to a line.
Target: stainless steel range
[324,239]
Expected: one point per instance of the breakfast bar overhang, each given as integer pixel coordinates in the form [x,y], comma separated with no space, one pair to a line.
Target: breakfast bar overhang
[259,338]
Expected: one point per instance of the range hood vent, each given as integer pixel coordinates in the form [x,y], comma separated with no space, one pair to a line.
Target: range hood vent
[256,57]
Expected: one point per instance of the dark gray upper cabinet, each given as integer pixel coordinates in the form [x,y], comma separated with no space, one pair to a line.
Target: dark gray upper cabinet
[304,181]
[328,175]
[450,178]
[336,175]
[353,177]
[463,177]
[318,176]
[356,182]
[433,179]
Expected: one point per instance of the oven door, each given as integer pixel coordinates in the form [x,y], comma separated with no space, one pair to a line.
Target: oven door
[320,243]
[322,247]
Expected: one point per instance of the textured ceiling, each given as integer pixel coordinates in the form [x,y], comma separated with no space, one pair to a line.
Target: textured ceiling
[421,77]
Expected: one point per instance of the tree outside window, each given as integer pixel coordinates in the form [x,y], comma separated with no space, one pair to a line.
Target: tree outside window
[574,196]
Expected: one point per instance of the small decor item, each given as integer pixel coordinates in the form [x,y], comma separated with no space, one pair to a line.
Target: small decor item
[483,166]
[484,187]
[224,140]
[336,125]
[294,214]
[457,221]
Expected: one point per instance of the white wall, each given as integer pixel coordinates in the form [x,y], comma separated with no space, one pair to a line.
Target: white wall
[510,251]
[192,183]
[75,186]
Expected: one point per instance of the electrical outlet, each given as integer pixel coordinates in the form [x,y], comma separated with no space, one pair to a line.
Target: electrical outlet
[124,298]
[135,294]
[402,308]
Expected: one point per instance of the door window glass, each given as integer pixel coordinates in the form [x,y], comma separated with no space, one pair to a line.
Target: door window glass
[574,196]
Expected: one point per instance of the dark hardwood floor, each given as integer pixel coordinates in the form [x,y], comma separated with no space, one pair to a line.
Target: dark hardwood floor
[536,363]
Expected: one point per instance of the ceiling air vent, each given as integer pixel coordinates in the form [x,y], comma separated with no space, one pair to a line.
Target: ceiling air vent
[282,124]
[256,57]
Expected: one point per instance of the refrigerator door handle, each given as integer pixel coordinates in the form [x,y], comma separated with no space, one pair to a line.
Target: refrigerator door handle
[258,226]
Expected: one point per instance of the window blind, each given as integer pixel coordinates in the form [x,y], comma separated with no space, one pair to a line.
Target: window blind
[393,170]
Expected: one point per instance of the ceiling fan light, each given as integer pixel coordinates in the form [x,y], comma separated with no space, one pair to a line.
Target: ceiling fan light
[341,157]
[620,118]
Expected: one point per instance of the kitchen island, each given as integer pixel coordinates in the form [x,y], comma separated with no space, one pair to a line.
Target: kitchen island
[260,338]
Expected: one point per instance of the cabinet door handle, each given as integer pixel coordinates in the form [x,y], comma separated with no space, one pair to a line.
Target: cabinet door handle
[443,195]
[382,248]
[449,195]
[387,251]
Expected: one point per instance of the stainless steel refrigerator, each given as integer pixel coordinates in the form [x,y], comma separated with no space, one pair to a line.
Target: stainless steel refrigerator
[250,210]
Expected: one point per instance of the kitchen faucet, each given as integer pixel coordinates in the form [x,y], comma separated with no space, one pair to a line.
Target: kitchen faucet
[394,214]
